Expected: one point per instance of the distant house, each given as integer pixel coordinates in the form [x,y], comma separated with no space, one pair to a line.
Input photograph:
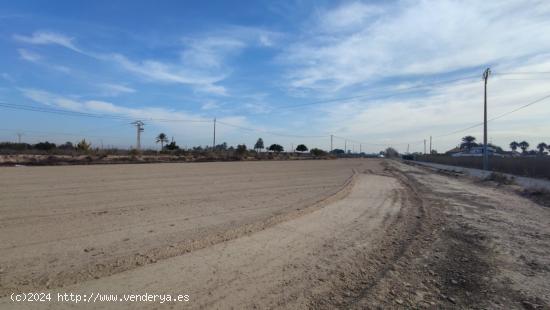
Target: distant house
[453,151]
[476,151]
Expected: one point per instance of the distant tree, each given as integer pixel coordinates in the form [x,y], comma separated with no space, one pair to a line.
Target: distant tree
[241,149]
[162,138]
[301,148]
[172,146]
[44,146]
[276,148]
[514,145]
[497,148]
[15,146]
[434,152]
[523,145]
[391,152]
[317,152]
[67,146]
[542,146]
[83,146]
[468,142]
[259,145]
[221,147]
[337,151]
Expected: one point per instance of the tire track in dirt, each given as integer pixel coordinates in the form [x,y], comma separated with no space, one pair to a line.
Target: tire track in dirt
[284,266]
[150,256]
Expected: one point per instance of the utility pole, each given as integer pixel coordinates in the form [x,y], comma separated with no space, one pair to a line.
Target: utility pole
[331,136]
[486,74]
[19,134]
[214,142]
[139,128]
[430,145]
[407,148]
[346,146]
[424,146]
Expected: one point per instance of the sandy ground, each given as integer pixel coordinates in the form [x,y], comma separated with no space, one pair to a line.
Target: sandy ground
[62,225]
[350,234]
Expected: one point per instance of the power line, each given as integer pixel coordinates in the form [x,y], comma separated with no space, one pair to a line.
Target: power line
[496,117]
[120,117]
[270,132]
[44,133]
[92,115]
[522,72]
[394,93]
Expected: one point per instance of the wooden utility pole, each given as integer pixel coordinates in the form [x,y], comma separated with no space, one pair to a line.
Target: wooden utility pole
[430,145]
[331,137]
[424,146]
[486,74]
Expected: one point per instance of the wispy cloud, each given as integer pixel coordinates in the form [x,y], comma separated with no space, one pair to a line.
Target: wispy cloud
[152,70]
[184,128]
[444,109]
[357,43]
[112,89]
[28,55]
[162,72]
[38,59]
[210,51]
[210,105]
[48,38]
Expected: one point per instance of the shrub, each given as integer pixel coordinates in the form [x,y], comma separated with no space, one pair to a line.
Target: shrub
[499,178]
[44,146]
[317,152]
[276,148]
[241,149]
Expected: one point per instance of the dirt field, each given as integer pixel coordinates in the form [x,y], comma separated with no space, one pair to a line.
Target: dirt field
[290,234]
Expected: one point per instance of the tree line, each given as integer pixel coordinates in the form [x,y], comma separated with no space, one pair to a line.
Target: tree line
[468,142]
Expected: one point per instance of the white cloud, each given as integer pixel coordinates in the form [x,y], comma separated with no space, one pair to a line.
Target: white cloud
[210,105]
[28,55]
[154,70]
[193,127]
[210,51]
[445,109]
[111,89]
[348,17]
[47,38]
[171,73]
[414,38]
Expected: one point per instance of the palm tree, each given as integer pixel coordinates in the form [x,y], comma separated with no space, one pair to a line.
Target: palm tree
[162,138]
[468,142]
[523,145]
[514,145]
[259,145]
[542,146]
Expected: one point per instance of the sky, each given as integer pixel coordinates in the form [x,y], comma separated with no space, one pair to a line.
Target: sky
[374,73]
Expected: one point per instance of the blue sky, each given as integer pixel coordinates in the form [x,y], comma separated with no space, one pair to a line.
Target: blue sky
[412,69]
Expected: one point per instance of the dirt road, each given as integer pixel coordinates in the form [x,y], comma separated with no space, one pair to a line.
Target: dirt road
[327,234]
